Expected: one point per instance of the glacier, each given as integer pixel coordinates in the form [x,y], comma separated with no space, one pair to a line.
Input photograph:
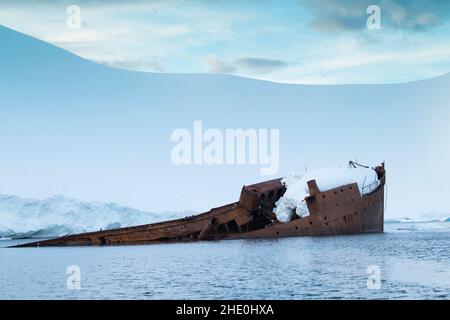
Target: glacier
[59,216]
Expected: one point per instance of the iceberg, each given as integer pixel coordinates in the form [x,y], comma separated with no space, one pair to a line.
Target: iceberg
[59,216]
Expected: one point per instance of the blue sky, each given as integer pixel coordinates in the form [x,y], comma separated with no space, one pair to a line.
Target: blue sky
[301,41]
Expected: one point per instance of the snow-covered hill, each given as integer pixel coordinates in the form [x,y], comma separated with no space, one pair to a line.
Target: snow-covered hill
[58,215]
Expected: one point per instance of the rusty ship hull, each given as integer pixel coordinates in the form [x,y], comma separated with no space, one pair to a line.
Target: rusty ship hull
[339,211]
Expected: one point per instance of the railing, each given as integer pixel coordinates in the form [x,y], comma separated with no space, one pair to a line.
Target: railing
[370,187]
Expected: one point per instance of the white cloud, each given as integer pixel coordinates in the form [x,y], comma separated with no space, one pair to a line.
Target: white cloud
[81,36]
[219,66]
[166,36]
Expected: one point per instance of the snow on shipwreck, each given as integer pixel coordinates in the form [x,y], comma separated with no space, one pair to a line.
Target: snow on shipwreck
[332,201]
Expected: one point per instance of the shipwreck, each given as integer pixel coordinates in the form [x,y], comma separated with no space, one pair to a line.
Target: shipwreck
[347,209]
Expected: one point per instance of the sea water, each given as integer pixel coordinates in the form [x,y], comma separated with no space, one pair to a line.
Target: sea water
[411,260]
